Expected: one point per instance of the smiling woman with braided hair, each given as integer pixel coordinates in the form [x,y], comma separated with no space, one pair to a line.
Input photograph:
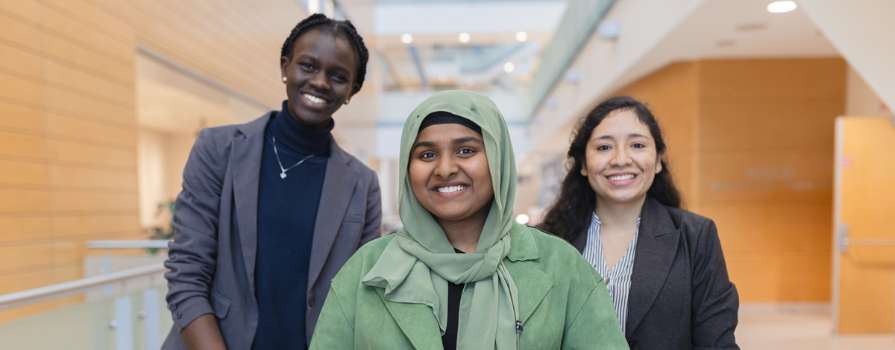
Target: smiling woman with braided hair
[271,209]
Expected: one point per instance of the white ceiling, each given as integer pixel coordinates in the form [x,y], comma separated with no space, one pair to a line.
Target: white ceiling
[744,28]
[734,29]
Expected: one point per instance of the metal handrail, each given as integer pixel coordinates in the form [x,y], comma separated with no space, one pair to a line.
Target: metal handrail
[66,288]
[128,244]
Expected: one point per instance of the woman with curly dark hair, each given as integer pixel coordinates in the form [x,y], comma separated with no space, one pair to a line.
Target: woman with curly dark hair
[663,265]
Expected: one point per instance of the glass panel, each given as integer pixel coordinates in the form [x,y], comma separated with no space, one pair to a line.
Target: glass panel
[130,317]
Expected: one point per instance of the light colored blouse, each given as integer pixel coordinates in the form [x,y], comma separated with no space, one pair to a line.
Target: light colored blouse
[618,278]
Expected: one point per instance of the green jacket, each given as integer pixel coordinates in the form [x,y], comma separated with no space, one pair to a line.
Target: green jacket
[562,303]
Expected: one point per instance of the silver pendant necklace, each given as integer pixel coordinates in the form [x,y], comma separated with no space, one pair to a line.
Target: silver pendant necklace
[280,163]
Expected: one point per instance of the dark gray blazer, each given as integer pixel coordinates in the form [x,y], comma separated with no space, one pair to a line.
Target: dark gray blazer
[680,297]
[211,261]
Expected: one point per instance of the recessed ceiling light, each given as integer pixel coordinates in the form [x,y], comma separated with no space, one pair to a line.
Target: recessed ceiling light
[406,38]
[509,67]
[521,37]
[782,6]
[463,37]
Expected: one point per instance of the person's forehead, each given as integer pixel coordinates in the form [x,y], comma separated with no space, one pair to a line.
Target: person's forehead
[323,38]
[446,132]
[623,122]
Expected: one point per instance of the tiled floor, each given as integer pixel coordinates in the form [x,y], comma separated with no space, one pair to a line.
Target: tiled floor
[797,327]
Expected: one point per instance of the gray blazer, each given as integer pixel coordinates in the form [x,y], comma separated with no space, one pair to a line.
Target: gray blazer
[681,297]
[211,260]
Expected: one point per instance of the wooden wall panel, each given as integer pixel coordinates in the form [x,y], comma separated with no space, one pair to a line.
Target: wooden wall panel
[751,146]
[766,160]
[68,126]
[67,120]
[22,146]
[90,131]
[24,228]
[765,176]
[20,118]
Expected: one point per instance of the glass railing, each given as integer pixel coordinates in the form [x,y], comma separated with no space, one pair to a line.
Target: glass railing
[120,310]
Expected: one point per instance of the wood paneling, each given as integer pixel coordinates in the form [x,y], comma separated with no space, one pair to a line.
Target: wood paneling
[68,126]
[751,146]
[766,160]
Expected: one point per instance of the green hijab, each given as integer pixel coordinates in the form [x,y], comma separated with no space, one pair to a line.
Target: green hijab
[419,262]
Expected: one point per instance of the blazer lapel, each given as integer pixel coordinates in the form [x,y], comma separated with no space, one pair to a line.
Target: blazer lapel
[246,166]
[416,321]
[532,284]
[656,248]
[338,187]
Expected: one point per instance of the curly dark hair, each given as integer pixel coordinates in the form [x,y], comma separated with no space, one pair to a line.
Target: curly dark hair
[345,28]
[570,214]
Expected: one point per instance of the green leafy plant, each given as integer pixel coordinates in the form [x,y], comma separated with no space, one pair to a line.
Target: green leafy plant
[165,231]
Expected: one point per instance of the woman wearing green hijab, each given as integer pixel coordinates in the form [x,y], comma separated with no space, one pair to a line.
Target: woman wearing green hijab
[461,274]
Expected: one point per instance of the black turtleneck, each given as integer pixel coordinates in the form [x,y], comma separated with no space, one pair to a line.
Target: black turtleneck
[287,211]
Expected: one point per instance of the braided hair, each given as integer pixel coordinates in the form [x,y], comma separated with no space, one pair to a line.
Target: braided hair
[345,28]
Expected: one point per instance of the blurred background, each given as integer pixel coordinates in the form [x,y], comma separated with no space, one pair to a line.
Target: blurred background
[778,116]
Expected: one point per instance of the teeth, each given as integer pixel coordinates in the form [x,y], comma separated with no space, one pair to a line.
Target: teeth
[622,177]
[314,99]
[451,189]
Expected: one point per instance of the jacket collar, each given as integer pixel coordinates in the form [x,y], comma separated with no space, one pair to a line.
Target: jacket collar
[338,186]
[418,323]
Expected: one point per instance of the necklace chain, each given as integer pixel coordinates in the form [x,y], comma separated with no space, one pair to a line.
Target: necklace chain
[283,170]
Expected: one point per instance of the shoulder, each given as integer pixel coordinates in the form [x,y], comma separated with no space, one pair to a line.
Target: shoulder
[221,136]
[700,231]
[362,261]
[552,245]
[556,256]
[689,221]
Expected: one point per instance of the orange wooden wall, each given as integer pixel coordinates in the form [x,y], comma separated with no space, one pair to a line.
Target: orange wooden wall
[68,130]
[752,148]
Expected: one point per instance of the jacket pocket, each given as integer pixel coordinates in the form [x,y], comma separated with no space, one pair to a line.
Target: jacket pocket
[220,304]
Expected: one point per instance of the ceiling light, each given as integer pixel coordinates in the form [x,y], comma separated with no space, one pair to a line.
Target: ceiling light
[463,38]
[781,6]
[521,37]
[522,219]
[313,6]
[406,38]
[509,67]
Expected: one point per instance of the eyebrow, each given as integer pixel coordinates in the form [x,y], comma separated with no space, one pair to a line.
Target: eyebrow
[458,141]
[605,137]
[337,65]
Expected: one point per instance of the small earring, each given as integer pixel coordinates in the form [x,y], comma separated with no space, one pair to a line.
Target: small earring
[284,79]
[346,102]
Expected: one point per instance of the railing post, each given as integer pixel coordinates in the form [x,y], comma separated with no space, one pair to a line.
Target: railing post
[124,323]
[151,319]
